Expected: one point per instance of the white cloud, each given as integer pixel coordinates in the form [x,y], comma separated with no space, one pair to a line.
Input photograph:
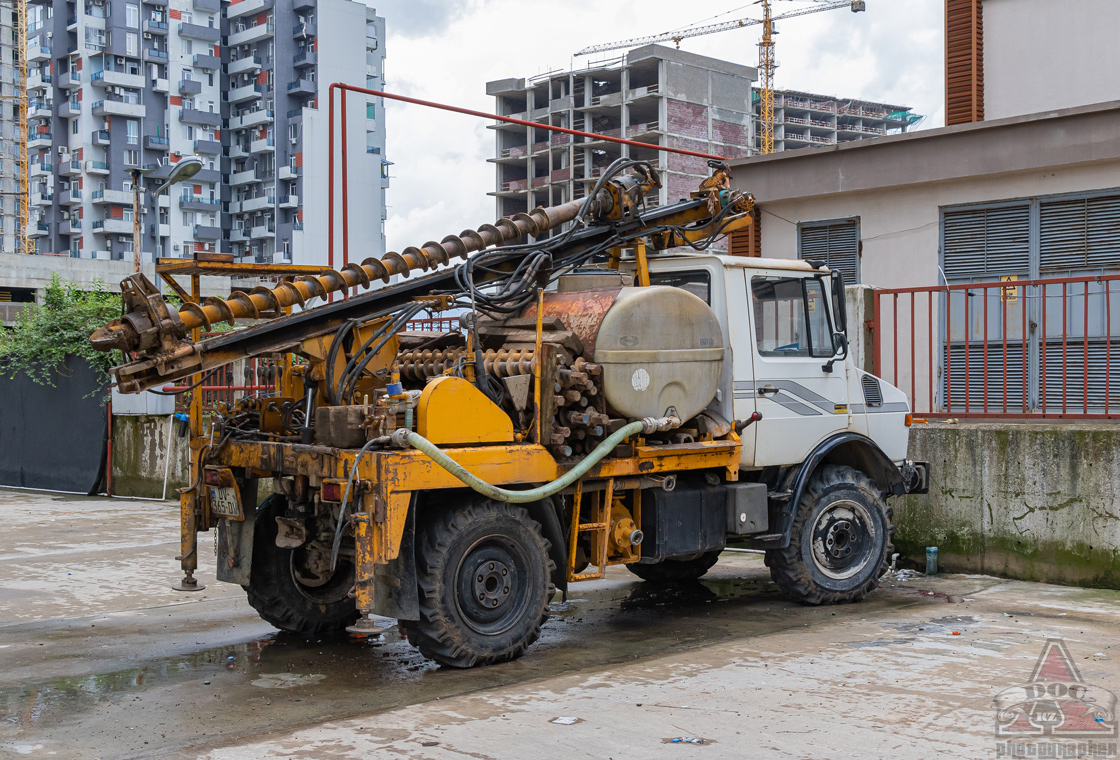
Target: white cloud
[446,51]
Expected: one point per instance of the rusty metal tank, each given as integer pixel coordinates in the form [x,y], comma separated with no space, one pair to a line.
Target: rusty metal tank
[659,347]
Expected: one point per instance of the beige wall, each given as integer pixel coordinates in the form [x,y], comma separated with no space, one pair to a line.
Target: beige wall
[1041,55]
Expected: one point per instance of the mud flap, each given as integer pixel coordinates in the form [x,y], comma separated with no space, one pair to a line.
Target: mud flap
[395,590]
[235,539]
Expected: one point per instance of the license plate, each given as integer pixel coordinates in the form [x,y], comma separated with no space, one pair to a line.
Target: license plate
[225,502]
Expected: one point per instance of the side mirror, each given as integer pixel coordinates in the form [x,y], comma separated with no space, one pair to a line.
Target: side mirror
[839,346]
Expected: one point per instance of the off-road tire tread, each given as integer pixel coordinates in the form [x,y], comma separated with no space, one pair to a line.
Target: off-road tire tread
[271,586]
[676,571]
[787,568]
[436,634]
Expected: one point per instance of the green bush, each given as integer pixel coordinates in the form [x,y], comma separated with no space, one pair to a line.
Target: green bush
[49,332]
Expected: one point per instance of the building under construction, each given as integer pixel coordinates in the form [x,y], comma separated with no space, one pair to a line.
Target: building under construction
[652,95]
[804,118]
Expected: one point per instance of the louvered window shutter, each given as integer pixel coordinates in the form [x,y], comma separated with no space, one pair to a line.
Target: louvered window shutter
[834,243]
[1078,234]
[983,244]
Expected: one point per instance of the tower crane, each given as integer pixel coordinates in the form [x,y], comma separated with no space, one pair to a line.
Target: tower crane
[766,61]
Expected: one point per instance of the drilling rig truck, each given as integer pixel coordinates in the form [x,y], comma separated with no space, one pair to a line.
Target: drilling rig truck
[615,394]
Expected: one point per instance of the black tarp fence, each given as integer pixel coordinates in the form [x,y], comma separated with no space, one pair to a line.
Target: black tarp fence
[53,436]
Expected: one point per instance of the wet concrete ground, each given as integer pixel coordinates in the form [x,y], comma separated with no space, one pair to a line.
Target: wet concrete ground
[99,658]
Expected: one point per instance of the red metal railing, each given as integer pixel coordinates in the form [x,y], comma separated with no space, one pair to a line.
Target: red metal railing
[435,324]
[258,375]
[1015,348]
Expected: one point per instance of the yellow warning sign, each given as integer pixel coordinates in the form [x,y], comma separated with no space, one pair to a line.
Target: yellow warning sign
[1009,294]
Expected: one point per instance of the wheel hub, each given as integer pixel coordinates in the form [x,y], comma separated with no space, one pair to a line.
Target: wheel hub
[843,539]
[492,585]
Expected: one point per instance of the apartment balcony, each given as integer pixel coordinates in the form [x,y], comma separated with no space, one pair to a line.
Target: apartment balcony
[73,225]
[206,62]
[42,169]
[301,87]
[252,34]
[37,140]
[189,87]
[117,108]
[247,8]
[97,167]
[258,203]
[198,203]
[100,137]
[289,172]
[306,58]
[238,151]
[42,199]
[243,178]
[289,201]
[153,142]
[263,231]
[207,6]
[252,119]
[161,85]
[237,235]
[112,227]
[163,201]
[71,197]
[68,80]
[40,109]
[112,196]
[70,109]
[206,232]
[199,117]
[38,81]
[39,229]
[37,51]
[208,175]
[304,30]
[118,79]
[71,168]
[155,27]
[155,56]
[163,230]
[267,145]
[248,65]
[243,93]
[199,32]
[208,147]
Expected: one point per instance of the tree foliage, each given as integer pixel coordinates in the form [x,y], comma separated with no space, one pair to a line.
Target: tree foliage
[47,333]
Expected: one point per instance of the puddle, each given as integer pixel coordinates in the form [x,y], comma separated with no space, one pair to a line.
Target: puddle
[287,680]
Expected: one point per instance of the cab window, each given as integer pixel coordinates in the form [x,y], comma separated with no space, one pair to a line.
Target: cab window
[696,283]
[791,317]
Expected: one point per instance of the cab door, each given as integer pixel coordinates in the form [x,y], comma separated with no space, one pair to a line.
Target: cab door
[801,394]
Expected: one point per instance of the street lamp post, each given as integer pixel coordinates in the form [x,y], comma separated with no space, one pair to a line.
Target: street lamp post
[184,169]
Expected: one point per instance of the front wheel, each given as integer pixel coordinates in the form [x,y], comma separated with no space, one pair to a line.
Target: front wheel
[840,541]
[294,589]
[485,582]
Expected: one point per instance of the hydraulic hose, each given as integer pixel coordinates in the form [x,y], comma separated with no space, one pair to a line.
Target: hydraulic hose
[648,425]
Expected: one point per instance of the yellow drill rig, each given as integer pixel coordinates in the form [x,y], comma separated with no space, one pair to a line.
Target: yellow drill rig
[453,481]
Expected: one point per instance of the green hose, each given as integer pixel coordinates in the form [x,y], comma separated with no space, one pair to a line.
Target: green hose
[535,494]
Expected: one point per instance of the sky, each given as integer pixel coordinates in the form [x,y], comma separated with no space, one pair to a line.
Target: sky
[447,50]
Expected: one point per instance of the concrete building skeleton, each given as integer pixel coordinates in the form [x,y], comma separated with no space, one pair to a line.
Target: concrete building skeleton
[653,95]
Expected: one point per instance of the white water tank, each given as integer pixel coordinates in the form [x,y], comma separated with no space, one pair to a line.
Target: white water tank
[659,347]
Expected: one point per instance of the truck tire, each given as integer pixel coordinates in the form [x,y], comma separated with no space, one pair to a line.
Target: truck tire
[840,541]
[485,583]
[278,595]
[676,570]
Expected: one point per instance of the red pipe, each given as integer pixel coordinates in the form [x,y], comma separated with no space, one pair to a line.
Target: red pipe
[345,190]
[443,107]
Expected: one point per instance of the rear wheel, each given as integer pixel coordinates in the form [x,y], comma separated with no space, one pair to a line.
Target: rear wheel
[676,570]
[840,542]
[294,589]
[484,576]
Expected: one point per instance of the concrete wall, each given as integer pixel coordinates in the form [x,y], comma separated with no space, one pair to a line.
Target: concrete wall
[139,456]
[1030,501]
[1040,55]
